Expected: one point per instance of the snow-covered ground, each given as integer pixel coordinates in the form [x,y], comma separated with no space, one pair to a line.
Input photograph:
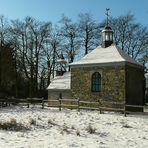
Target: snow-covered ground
[49,128]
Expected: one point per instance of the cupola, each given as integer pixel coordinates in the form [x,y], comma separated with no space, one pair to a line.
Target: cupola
[61,65]
[107,34]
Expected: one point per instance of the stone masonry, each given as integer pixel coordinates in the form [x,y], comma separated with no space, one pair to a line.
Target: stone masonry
[113,83]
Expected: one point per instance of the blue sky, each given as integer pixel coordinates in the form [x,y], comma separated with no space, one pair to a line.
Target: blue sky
[51,10]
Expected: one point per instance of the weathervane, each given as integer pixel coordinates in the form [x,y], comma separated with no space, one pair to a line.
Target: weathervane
[107,15]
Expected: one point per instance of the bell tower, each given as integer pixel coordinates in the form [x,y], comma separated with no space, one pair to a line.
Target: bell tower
[61,65]
[107,33]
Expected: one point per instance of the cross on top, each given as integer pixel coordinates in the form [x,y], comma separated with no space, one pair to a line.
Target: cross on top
[107,15]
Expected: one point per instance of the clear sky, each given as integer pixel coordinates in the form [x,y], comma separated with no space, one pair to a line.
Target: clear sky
[51,10]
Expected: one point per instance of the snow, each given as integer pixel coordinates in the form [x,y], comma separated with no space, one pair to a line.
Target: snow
[99,55]
[69,129]
[61,82]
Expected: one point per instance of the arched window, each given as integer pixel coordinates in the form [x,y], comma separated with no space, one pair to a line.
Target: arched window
[96,82]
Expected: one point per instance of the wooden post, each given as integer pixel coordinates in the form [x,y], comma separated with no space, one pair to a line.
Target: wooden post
[125,109]
[42,103]
[100,110]
[99,106]
[78,102]
[27,103]
[60,101]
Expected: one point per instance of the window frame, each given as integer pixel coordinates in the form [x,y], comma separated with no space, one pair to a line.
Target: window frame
[96,79]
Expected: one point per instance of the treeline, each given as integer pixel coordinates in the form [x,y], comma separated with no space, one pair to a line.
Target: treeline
[29,48]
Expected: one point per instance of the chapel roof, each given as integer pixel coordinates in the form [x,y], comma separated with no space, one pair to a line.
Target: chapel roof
[60,82]
[105,56]
[107,28]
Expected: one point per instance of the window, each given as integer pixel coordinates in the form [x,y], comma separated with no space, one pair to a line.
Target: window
[96,82]
[107,36]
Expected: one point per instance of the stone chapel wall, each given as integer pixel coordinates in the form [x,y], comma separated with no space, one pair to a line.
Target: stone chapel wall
[113,83]
[135,85]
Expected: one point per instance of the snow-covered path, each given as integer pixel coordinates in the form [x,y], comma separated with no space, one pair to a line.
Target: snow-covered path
[49,128]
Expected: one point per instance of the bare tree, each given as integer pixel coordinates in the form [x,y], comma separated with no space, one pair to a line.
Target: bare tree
[3,40]
[33,46]
[89,32]
[130,35]
[69,33]
[31,36]
[40,33]
[51,53]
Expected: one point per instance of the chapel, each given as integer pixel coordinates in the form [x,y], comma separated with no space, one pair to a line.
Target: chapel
[106,73]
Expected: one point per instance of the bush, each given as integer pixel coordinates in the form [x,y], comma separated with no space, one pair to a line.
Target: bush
[12,125]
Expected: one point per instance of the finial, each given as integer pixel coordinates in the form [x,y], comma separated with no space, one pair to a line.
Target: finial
[61,59]
[107,15]
[61,56]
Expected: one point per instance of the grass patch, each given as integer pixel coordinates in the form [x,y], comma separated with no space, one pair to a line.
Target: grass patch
[13,125]
[78,132]
[32,121]
[51,122]
[72,127]
[126,126]
[90,129]
[66,130]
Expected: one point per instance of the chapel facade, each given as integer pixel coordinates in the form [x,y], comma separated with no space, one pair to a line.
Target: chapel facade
[107,73]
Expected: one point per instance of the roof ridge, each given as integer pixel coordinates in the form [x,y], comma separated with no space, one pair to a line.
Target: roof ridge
[109,55]
[127,57]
